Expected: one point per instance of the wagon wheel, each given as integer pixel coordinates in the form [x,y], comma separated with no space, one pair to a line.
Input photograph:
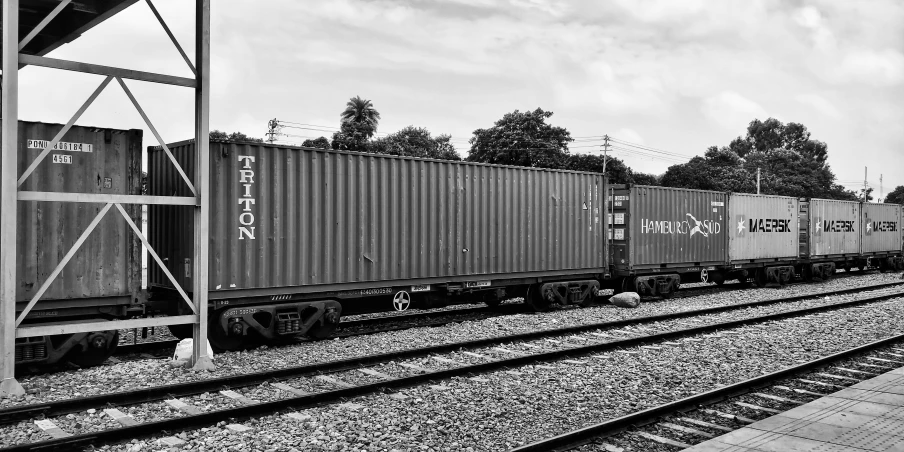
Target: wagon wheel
[668,293]
[322,330]
[220,341]
[94,355]
[759,278]
[535,300]
[183,331]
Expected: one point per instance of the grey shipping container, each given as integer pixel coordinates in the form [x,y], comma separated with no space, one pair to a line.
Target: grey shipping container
[831,228]
[762,228]
[300,220]
[881,229]
[107,267]
[662,227]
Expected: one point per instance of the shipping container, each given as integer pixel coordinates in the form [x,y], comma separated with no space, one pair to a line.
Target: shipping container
[656,228]
[106,270]
[829,228]
[762,228]
[881,229]
[300,220]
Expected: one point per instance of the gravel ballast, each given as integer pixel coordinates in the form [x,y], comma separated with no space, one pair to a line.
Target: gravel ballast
[122,376]
[501,410]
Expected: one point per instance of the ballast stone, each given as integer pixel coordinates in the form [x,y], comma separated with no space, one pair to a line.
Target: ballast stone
[626,300]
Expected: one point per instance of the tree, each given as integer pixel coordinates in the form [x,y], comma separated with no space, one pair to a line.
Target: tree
[352,136]
[616,170]
[521,139]
[896,196]
[415,142]
[869,195]
[322,143]
[362,112]
[790,161]
[234,136]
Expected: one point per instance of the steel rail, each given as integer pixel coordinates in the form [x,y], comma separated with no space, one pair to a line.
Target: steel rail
[576,438]
[158,393]
[320,398]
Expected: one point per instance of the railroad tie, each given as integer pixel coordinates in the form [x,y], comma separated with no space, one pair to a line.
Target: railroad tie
[170,441]
[183,407]
[876,366]
[505,350]
[869,374]
[684,429]
[600,334]
[446,360]
[475,355]
[800,391]
[839,377]
[896,355]
[416,368]
[819,383]
[552,341]
[238,428]
[289,389]
[672,344]
[123,419]
[651,347]
[238,397]
[374,373]
[734,417]
[535,347]
[574,361]
[885,360]
[777,398]
[707,424]
[757,407]
[334,381]
[47,426]
[662,440]
[298,416]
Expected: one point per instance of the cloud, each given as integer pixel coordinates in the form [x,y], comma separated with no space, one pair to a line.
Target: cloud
[820,105]
[731,110]
[629,135]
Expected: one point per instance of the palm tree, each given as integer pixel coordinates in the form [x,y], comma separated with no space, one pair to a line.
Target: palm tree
[362,112]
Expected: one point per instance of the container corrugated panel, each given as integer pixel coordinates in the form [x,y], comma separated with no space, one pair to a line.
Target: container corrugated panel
[834,228]
[289,217]
[670,227]
[881,228]
[88,160]
[762,227]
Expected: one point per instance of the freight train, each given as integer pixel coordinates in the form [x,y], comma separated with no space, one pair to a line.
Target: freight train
[301,236]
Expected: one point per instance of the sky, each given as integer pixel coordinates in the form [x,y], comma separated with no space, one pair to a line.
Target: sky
[672,77]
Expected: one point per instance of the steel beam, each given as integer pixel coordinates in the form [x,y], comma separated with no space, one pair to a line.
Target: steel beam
[88,68]
[107,198]
[43,329]
[31,35]
[9,109]
[200,358]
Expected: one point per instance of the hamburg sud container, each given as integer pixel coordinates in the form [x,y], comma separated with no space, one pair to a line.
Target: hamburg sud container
[106,270]
[830,229]
[290,220]
[666,231]
[881,229]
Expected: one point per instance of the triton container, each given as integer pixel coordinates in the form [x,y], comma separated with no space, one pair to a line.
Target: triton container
[103,279]
[763,241]
[663,235]
[299,235]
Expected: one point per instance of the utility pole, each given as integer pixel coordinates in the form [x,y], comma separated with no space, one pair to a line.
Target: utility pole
[864,184]
[605,151]
[757,180]
[273,124]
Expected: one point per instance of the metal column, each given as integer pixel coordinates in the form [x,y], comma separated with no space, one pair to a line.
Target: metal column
[10,180]
[9,169]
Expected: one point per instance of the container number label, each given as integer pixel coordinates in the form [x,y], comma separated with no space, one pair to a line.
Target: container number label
[477,284]
[62,158]
[61,146]
[421,288]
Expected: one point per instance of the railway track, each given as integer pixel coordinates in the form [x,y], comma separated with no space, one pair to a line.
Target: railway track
[703,416]
[398,322]
[308,386]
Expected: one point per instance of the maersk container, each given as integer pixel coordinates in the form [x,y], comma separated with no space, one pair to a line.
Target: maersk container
[881,228]
[300,220]
[663,227]
[762,228]
[831,228]
[107,267]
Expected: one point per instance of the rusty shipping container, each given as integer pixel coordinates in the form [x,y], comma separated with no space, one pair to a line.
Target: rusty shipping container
[762,228]
[107,267]
[829,228]
[662,227]
[288,219]
[881,228]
